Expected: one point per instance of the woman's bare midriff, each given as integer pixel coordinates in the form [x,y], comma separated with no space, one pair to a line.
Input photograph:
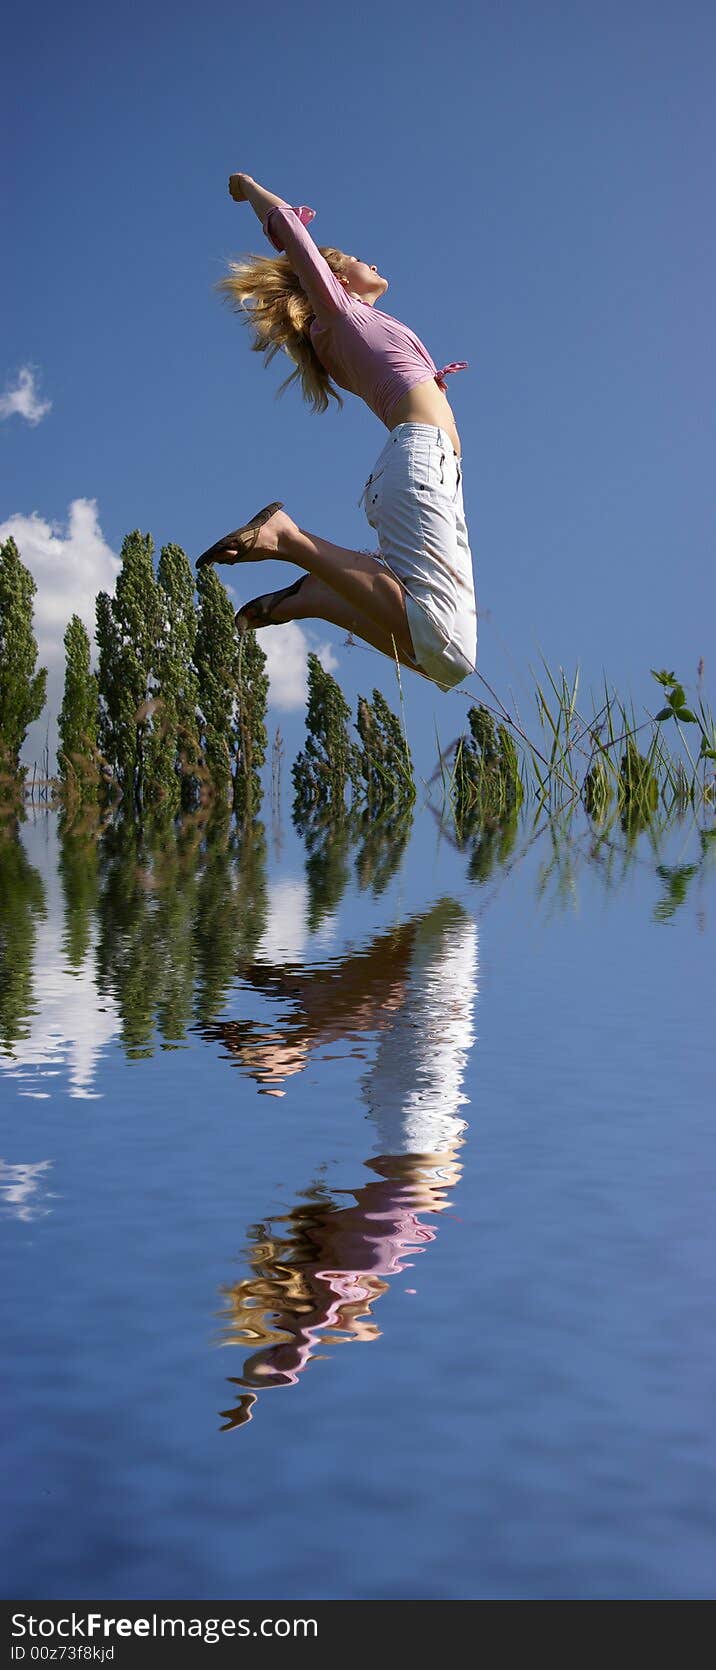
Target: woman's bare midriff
[426,403]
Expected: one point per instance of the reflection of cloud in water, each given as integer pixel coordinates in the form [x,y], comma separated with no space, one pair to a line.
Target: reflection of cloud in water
[284,935]
[68,1029]
[286,930]
[22,1190]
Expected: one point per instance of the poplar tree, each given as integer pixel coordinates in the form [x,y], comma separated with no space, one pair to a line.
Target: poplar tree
[172,751]
[233,691]
[79,714]
[329,760]
[252,734]
[128,629]
[22,686]
[216,658]
[385,762]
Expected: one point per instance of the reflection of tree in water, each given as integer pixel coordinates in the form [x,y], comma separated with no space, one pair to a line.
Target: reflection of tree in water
[144,913]
[22,902]
[330,837]
[79,869]
[231,911]
[180,907]
[173,911]
[382,844]
[615,851]
[490,845]
[327,839]
[318,1271]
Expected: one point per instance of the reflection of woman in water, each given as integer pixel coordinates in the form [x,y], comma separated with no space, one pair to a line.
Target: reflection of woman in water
[316,1280]
[318,1275]
[428,959]
[415,597]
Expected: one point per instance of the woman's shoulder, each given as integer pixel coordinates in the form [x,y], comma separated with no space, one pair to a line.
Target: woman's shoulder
[347,319]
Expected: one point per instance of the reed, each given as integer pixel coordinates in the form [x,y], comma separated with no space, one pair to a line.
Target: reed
[599,754]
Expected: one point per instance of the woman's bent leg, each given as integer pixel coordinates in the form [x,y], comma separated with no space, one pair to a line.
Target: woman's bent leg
[359,579]
[316,600]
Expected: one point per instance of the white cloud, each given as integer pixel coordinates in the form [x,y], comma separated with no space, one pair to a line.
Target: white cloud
[69,567]
[23,399]
[286,649]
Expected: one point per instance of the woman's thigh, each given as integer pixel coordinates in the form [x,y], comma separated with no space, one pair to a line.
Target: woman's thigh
[414,503]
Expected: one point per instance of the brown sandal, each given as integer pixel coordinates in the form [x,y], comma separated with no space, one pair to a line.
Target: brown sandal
[244,536]
[259,610]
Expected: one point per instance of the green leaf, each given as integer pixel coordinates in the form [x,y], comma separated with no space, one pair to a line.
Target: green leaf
[677,696]
[685,715]
[663,677]
[665,713]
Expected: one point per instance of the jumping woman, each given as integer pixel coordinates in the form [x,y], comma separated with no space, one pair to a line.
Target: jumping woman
[415,599]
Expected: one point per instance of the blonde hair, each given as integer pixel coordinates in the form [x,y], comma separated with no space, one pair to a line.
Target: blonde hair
[267,293]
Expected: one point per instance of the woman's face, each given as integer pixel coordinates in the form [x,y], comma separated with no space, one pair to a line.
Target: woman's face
[363,280]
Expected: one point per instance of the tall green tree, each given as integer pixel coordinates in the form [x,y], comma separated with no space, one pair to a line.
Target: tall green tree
[216,661]
[329,760]
[22,685]
[252,734]
[128,634]
[233,692]
[78,723]
[385,762]
[177,678]
[172,749]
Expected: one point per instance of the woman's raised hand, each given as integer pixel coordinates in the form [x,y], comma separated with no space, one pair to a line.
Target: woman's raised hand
[244,189]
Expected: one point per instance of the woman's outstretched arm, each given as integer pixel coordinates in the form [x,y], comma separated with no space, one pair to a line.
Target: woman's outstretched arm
[287,232]
[245,190]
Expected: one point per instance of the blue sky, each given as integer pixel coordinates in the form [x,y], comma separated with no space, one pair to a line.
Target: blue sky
[535,180]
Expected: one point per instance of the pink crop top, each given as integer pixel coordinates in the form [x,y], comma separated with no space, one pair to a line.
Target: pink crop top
[362,349]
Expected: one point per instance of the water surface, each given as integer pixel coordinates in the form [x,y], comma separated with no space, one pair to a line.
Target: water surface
[357,1214]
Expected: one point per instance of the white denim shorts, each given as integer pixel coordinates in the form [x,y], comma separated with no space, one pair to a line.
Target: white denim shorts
[413,500]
